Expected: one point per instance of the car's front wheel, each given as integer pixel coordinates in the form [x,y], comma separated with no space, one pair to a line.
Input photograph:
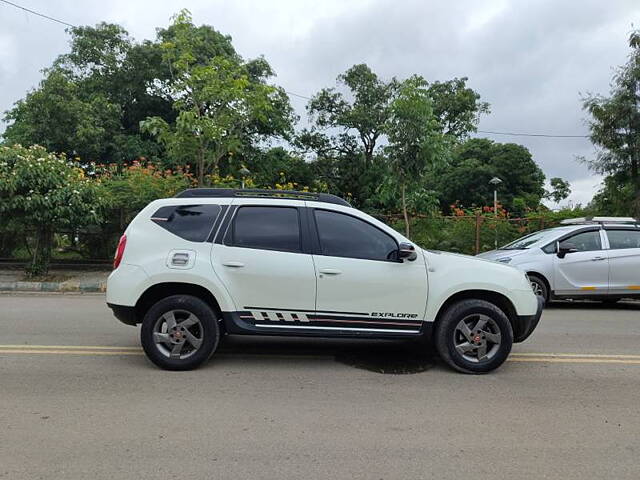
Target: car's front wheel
[539,287]
[473,336]
[179,332]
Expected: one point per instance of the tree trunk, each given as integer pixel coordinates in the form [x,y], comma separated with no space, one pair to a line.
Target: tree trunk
[42,252]
[404,210]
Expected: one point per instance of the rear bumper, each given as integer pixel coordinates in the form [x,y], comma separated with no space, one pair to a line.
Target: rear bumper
[125,314]
[526,324]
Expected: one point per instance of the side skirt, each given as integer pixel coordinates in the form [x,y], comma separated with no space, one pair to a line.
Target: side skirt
[286,323]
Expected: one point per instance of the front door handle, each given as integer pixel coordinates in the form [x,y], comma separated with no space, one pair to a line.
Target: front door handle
[233,264]
[330,271]
[597,259]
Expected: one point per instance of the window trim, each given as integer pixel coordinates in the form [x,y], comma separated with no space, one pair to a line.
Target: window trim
[228,237]
[618,229]
[317,244]
[580,232]
[566,236]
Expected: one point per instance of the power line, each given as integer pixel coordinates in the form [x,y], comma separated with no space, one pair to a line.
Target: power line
[532,134]
[513,134]
[37,13]
[298,95]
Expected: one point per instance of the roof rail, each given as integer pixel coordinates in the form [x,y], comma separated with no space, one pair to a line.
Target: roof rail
[258,193]
[599,220]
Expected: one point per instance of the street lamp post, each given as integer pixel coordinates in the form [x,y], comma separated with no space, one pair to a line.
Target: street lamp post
[244,172]
[495,181]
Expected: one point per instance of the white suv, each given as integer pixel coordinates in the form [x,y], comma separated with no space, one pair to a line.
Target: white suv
[596,258]
[211,262]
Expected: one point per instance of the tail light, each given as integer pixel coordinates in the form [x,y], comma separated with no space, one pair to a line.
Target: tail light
[119,251]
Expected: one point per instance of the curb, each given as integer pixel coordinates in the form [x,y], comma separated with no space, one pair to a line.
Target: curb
[52,287]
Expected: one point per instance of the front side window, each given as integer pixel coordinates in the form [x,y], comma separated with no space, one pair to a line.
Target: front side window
[585,241]
[268,228]
[342,235]
[620,239]
[191,222]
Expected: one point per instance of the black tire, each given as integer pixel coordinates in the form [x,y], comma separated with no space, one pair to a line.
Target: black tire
[207,331]
[446,332]
[539,287]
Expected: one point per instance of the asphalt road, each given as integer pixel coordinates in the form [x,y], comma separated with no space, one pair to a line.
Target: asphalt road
[79,400]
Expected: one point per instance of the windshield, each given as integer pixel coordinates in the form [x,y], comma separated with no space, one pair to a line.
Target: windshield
[529,240]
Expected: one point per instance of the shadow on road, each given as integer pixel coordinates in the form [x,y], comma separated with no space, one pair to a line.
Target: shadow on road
[593,305]
[380,356]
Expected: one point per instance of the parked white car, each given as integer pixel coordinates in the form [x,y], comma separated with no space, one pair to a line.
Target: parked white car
[596,258]
[218,261]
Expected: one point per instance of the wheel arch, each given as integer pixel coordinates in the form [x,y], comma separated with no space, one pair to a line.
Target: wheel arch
[498,299]
[162,290]
[543,277]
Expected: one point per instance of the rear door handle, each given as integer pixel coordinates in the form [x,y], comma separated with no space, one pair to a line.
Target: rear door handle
[233,264]
[597,259]
[330,271]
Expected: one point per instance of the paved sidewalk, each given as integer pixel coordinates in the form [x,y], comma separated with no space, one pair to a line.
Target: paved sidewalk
[56,281]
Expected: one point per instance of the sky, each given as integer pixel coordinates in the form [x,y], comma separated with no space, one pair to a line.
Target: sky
[531,60]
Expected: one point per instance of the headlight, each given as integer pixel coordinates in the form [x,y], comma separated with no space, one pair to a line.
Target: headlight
[504,260]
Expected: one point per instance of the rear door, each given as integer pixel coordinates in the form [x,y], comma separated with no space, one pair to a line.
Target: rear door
[361,284]
[261,260]
[624,260]
[585,272]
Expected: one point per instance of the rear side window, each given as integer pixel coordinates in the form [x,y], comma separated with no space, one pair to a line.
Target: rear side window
[267,228]
[620,239]
[191,222]
[342,235]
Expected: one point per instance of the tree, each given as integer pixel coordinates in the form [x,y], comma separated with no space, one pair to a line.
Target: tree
[415,141]
[45,191]
[615,126]
[560,189]
[457,107]
[59,117]
[218,103]
[361,121]
[465,180]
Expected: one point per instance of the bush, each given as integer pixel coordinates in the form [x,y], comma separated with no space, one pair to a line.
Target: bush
[44,192]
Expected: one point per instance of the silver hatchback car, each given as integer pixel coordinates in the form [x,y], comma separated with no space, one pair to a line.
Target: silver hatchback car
[596,258]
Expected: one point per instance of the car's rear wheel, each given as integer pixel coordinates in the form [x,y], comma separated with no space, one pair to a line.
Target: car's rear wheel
[179,332]
[473,336]
[539,287]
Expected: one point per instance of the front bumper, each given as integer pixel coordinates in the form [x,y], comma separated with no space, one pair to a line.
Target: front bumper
[526,324]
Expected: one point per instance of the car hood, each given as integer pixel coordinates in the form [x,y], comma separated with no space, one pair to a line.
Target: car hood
[496,255]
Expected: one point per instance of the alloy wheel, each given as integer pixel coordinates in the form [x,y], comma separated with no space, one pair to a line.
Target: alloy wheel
[477,338]
[178,334]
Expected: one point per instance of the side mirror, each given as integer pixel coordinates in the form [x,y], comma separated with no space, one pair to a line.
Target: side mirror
[564,248]
[407,251]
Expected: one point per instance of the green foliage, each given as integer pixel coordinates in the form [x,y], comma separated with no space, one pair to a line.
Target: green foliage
[415,143]
[360,121]
[457,107]
[615,128]
[465,180]
[58,116]
[42,191]
[220,101]
[560,189]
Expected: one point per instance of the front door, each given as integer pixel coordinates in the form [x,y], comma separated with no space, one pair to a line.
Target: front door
[585,272]
[361,285]
[262,264]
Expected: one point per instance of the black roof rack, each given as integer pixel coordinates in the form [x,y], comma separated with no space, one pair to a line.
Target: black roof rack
[258,193]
